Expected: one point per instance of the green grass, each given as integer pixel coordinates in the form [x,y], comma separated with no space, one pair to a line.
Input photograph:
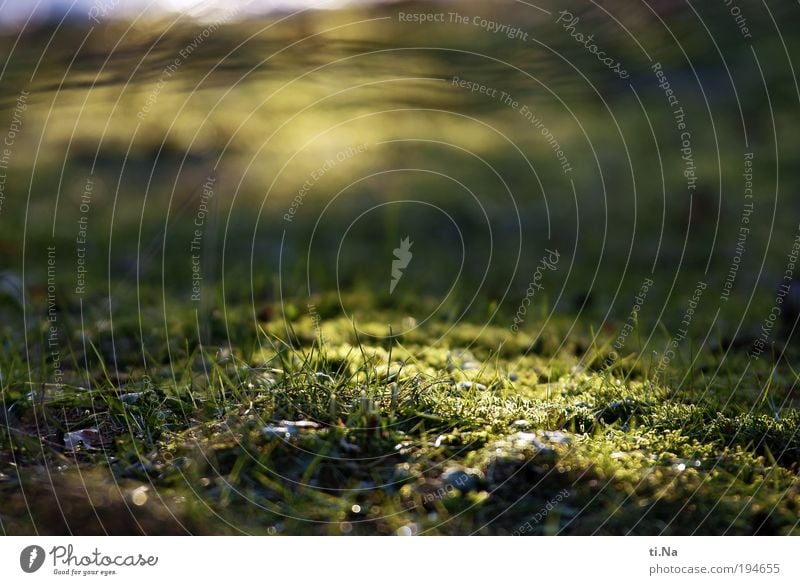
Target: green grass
[476,434]
[419,411]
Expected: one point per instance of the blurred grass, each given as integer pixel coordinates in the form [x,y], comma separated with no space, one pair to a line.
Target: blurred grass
[268,116]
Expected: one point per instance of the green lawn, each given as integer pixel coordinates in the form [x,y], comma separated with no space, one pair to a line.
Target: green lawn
[320,429]
[210,322]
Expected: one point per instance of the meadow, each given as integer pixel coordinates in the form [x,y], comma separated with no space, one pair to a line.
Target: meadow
[344,272]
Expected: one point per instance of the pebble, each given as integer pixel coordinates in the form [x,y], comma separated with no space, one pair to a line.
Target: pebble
[408,530]
[466,385]
[279,431]
[300,424]
[288,428]
[542,441]
[139,496]
[131,397]
[464,479]
[401,473]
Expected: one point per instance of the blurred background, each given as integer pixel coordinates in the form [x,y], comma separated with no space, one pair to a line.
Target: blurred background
[200,157]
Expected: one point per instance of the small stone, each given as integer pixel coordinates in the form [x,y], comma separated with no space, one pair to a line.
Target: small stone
[139,496]
[466,385]
[543,441]
[463,479]
[557,437]
[300,424]
[401,473]
[224,355]
[131,397]
[282,432]
[288,428]
[461,359]
[409,529]
[86,438]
